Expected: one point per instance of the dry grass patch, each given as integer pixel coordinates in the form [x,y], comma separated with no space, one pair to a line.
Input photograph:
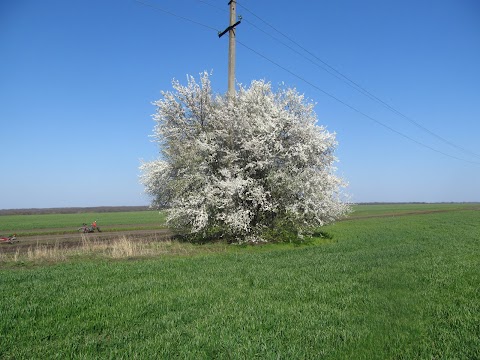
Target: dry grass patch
[121,248]
[43,252]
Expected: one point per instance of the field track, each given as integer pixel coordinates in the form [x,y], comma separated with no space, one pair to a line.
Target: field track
[72,240]
[408,213]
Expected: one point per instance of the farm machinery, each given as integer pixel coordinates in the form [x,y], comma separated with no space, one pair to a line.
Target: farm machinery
[8,239]
[89,228]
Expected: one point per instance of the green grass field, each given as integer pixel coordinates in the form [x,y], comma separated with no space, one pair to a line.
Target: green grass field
[52,223]
[393,287]
[402,209]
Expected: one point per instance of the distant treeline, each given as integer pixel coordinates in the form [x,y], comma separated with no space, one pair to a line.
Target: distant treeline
[73,210]
[388,203]
[413,203]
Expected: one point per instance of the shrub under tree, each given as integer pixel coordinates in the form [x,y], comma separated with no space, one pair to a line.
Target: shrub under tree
[247,168]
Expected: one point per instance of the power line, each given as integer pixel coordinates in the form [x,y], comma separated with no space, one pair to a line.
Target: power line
[155,7]
[214,6]
[334,72]
[352,107]
[318,88]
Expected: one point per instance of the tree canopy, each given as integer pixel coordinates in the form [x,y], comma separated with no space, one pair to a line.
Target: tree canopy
[245,168]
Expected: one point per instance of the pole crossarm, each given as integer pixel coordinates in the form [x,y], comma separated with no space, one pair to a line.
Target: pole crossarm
[231,27]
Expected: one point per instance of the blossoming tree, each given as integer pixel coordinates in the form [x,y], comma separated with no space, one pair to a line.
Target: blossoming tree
[242,168]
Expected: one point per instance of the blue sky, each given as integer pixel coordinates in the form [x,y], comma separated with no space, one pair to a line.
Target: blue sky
[77,79]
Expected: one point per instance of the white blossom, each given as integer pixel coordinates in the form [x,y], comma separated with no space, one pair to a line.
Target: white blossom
[239,166]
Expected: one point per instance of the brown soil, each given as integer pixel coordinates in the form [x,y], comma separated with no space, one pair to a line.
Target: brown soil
[71,240]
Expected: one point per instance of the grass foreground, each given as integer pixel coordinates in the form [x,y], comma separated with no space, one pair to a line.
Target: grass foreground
[396,287]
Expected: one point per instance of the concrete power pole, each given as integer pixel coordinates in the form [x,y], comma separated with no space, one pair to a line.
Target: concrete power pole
[231,48]
[231,51]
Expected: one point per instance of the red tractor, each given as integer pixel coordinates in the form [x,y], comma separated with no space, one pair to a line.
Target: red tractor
[9,239]
[89,229]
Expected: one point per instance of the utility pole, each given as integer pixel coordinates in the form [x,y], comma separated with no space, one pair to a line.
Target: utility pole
[231,48]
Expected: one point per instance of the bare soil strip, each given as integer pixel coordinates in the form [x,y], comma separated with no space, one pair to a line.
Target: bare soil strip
[414,212]
[72,240]
[111,228]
